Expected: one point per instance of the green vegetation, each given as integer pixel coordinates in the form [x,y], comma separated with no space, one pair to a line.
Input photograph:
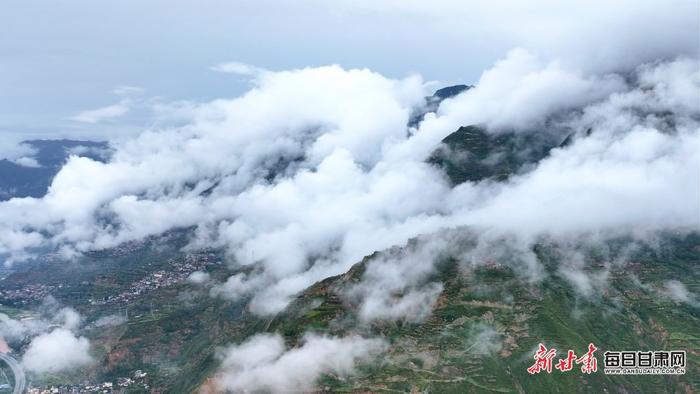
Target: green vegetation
[438,355]
[173,333]
[473,154]
[480,337]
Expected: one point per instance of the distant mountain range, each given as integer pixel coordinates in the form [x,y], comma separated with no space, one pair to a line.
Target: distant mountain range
[23,181]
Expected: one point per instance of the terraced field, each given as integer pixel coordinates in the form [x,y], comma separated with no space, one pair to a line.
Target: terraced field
[482,335]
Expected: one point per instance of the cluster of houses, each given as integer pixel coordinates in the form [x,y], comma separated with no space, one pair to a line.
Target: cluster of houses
[138,379]
[178,271]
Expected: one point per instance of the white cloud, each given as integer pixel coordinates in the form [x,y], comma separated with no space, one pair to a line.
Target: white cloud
[53,344]
[263,363]
[593,36]
[109,321]
[102,113]
[12,149]
[313,169]
[521,91]
[635,171]
[484,339]
[587,284]
[17,330]
[677,291]
[614,181]
[199,277]
[396,286]
[129,96]
[69,318]
[56,351]
[503,247]
[128,91]
[26,161]
[239,68]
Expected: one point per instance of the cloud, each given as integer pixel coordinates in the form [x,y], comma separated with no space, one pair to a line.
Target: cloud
[17,330]
[25,161]
[199,277]
[584,283]
[53,344]
[91,151]
[676,291]
[51,315]
[238,286]
[639,168]
[625,33]
[315,168]
[521,92]
[128,91]
[68,318]
[499,246]
[413,305]
[56,351]
[397,286]
[12,149]
[592,36]
[238,68]
[485,340]
[102,113]
[263,363]
[109,321]
[130,96]
[634,159]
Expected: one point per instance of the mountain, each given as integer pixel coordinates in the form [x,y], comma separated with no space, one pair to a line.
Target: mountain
[473,154]
[479,337]
[449,91]
[143,314]
[23,181]
[488,321]
[432,103]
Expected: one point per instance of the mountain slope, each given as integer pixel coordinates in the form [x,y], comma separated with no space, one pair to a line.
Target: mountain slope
[490,313]
[487,322]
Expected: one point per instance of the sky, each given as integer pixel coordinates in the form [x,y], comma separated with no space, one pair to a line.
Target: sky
[286,124]
[61,58]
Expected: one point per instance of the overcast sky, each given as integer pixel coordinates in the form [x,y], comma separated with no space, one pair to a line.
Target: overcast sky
[60,58]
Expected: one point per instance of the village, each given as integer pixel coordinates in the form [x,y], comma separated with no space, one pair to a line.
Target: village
[138,380]
[179,271]
[27,294]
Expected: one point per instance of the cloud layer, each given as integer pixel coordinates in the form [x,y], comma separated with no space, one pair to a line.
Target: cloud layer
[53,342]
[313,169]
[56,351]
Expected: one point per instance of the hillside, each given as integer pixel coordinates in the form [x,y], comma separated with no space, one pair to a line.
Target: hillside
[487,322]
[480,336]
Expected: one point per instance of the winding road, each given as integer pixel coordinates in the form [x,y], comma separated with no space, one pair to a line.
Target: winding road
[20,381]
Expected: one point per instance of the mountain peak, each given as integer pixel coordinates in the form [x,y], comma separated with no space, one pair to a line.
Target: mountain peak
[451,91]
